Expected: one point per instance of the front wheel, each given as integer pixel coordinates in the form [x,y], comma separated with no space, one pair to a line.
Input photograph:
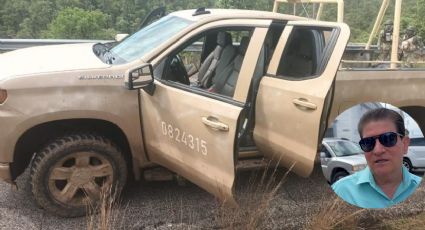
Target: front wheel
[339,175]
[72,171]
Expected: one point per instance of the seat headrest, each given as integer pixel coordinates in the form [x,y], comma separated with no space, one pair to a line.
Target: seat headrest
[243,46]
[224,39]
[305,50]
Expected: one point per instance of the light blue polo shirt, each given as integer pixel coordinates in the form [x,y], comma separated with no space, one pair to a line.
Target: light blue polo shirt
[361,190]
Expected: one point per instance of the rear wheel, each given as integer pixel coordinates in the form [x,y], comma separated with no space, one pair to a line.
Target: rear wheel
[407,164]
[72,171]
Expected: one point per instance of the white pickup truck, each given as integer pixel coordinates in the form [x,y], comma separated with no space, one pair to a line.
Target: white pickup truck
[415,157]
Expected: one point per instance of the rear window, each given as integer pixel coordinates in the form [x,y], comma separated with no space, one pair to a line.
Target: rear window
[344,148]
[420,141]
[306,53]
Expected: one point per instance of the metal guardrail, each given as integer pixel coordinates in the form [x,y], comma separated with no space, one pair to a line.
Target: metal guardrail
[14,44]
[352,52]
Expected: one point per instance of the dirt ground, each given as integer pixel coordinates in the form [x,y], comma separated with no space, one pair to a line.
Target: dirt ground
[166,205]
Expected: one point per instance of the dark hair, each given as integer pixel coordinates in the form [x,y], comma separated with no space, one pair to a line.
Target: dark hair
[382,114]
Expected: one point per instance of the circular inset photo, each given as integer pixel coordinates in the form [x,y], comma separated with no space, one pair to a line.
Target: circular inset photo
[373,155]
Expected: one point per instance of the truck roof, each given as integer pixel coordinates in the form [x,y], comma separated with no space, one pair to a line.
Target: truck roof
[219,14]
[331,139]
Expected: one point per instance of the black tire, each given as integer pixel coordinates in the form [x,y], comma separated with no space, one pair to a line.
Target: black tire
[79,165]
[407,164]
[339,175]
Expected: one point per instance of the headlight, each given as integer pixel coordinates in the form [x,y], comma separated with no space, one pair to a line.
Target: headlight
[3,95]
[358,167]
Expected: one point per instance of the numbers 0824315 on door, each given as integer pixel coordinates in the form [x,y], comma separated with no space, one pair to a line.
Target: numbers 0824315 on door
[194,143]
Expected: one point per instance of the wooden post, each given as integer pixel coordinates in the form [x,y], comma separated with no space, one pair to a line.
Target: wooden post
[396,34]
[378,23]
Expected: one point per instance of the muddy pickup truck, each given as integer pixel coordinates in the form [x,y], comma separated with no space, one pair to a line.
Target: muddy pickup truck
[86,116]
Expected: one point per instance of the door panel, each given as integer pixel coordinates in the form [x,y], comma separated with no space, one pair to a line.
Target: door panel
[291,98]
[193,136]
[417,156]
[192,131]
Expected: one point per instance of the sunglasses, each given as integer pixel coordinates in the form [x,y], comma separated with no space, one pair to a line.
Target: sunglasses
[388,139]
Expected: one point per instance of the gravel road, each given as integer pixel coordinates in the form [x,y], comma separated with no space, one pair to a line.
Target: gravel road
[165,205]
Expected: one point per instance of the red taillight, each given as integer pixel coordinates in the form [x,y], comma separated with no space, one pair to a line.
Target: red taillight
[3,95]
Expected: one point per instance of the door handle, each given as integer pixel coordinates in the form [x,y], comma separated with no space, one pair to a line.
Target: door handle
[215,124]
[304,103]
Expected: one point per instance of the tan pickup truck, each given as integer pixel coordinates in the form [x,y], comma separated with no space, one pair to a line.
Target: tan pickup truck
[85,116]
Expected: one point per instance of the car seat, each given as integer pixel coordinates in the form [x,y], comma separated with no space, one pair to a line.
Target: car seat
[225,81]
[217,60]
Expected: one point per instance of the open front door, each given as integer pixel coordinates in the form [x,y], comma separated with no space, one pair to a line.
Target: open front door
[293,98]
[193,136]
[189,129]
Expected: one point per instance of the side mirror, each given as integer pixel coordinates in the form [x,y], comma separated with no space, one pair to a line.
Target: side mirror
[120,37]
[141,77]
[323,155]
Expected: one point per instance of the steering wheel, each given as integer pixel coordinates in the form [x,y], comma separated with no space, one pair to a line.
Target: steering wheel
[179,70]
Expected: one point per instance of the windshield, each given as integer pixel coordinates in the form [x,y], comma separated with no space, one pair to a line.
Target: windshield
[148,38]
[344,148]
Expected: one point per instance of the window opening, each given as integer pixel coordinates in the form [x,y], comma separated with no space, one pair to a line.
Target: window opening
[305,53]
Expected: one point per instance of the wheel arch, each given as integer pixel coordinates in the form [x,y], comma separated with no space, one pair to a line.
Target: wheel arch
[338,169]
[35,138]
[408,159]
[417,113]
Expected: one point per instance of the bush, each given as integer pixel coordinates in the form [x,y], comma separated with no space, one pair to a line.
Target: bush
[76,23]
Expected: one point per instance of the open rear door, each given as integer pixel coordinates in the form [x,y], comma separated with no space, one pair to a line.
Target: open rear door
[153,16]
[293,98]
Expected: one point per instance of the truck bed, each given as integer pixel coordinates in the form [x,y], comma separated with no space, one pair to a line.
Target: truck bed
[402,88]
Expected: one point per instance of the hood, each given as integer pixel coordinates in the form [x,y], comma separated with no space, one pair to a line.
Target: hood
[47,59]
[353,160]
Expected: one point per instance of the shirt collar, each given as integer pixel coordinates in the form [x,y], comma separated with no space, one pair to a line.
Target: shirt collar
[408,179]
[365,176]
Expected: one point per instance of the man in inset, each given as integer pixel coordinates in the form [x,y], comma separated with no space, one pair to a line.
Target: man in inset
[385,181]
[385,41]
[411,47]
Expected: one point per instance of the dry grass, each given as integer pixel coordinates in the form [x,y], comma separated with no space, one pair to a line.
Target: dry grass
[334,213]
[337,214]
[254,202]
[252,212]
[413,223]
[256,211]
[107,214]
